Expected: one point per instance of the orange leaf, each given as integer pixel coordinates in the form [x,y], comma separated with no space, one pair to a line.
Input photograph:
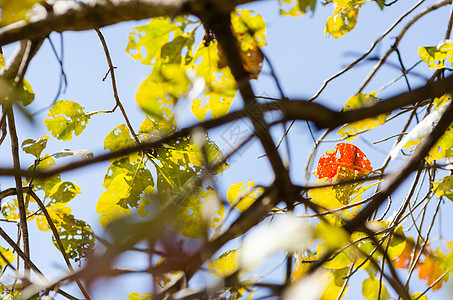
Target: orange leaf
[430,270]
[404,259]
[345,156]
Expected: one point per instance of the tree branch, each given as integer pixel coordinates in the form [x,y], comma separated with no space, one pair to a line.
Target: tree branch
[73,15]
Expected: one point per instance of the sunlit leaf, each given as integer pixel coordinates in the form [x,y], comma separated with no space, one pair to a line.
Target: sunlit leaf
[181,162]
[344,17]
[225,265]
[129,186]
[77,238]
[444,187]
[8,254]
[161,91]
[437,57]
[296,8]
[66,118]
[345,155]
[64,191]
[403,260]
[188,216]
[302,265]
[341,260]
[431,268]
[149,42]
[220,83]
[336,279]
[107,205]
[45,184]
[137,296]
[120,138]
[350,131]
[418,296]
[12,11]
[33,147]
[151,128]
[57,212]
[370,290]
[242,195]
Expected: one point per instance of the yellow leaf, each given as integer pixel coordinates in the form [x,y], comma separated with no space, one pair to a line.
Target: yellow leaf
[8,254]
[370,290]
[444,187]
[435,57]
[351,131]
[336,284]
[58,212]
[344,17]
[219,80]
[107,205]
[225,265]
[137,296]
[242,195]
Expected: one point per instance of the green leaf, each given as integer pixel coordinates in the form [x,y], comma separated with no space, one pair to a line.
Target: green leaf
[146,42]
[151,128]
[64,191]
[33,147]
[57,212]
[24,93]
[443,148]
[296,8]
[242,195]
[188,216]
[351,131]
[381,4]
[119,138]
[77,238]
[444,187]
[128,186]
[45,184]
[65,119]
[225,265]
[107,205]
[370,290]
[436,57]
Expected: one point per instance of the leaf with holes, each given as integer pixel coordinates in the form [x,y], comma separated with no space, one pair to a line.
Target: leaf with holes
[120,138]
[146,42]
[66,118]
[242,195]
[444,187]
[344,17]
[346,156]
[296,8]
[436,57]
[351,131]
